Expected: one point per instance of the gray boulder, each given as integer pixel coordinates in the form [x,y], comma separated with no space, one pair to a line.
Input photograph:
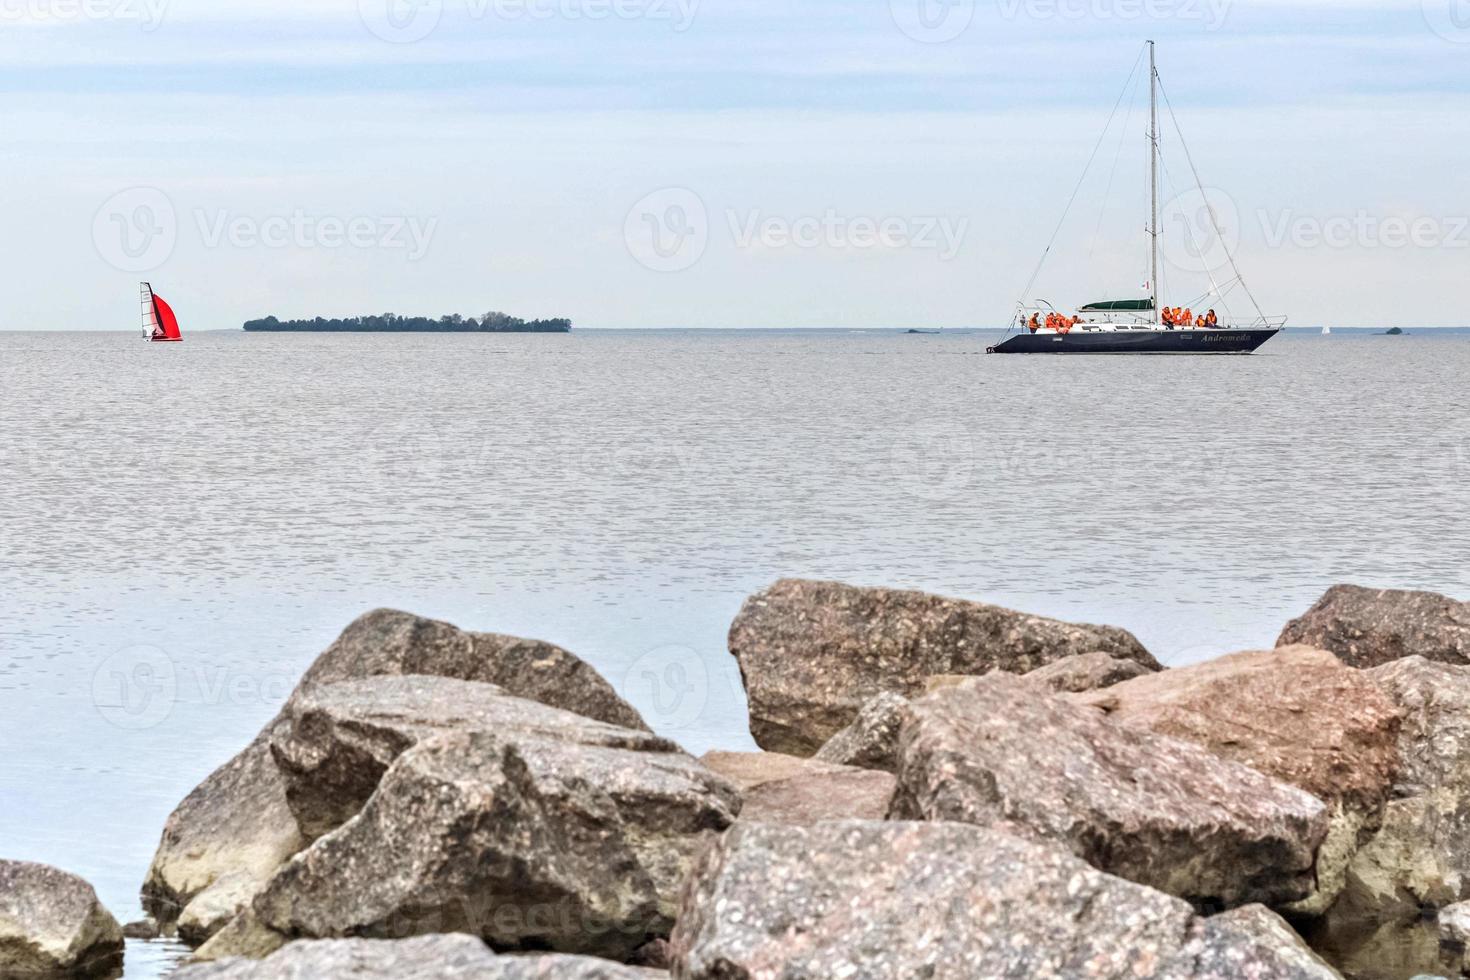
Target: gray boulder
[1088,672]
[788,789]
[51,924]
[1369,627]
[335,741]
[440,957]
[239,822]
[813,653]
[526,841]
[388,642]
[895,901]
[236,822]
[871,741]
[1145,807]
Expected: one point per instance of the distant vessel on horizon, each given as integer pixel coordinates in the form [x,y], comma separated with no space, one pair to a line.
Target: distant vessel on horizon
[1326,331]
[1139,326]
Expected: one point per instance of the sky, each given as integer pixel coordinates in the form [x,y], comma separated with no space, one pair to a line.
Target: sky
[729,163]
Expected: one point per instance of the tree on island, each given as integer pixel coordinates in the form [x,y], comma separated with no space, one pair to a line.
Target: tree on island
[493,322]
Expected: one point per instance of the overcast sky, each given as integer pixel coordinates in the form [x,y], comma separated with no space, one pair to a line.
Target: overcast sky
[725,163]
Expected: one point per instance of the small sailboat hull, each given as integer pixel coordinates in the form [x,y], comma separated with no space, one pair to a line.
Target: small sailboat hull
[1234,341]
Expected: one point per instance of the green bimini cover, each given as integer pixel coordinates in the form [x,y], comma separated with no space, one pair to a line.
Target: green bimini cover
[1119,306]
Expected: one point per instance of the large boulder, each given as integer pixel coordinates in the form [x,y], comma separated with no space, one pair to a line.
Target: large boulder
[1297,714]
[238,821]
[789,789]
[1156,810]
[441,957]
[871,741]
[388,642]
[527,841]
[1369,627]
[813,653]
[51,924]
[1419,859]
[335,741]
[895,901]
[235,823]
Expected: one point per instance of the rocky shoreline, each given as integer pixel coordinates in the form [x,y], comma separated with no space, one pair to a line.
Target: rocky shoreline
[947,789]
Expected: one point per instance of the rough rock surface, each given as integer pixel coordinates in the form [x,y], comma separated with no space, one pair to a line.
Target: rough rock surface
[871,741]
[1419,859]
[1152,809]
[334,742]
[238,819]
[787,789]
[1369,627]
[386,641]
[212,909]
[51,923]
[441,957]
[1454,923]
[1088,672]
[1297,714]
[528,842]
[813,653]
[896,901]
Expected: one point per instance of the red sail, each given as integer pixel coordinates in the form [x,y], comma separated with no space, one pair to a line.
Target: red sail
[168,324]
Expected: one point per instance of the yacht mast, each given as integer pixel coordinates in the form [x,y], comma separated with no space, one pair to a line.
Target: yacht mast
[1153,179]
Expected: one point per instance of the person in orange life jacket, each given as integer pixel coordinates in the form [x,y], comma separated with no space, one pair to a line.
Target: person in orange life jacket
[1211,320]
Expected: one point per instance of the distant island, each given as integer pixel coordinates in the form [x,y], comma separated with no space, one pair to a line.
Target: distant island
[393,323]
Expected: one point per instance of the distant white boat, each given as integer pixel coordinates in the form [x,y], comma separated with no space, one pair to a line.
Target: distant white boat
[1326,331]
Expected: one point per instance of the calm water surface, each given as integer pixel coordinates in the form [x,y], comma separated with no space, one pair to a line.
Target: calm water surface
[183,528]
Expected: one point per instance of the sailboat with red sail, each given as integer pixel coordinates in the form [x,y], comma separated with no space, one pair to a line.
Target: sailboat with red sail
[159,323]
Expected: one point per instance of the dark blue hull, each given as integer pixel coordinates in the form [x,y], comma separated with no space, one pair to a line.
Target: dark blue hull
[1136,342]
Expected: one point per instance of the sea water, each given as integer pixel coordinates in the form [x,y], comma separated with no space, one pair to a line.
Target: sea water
[183,528]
